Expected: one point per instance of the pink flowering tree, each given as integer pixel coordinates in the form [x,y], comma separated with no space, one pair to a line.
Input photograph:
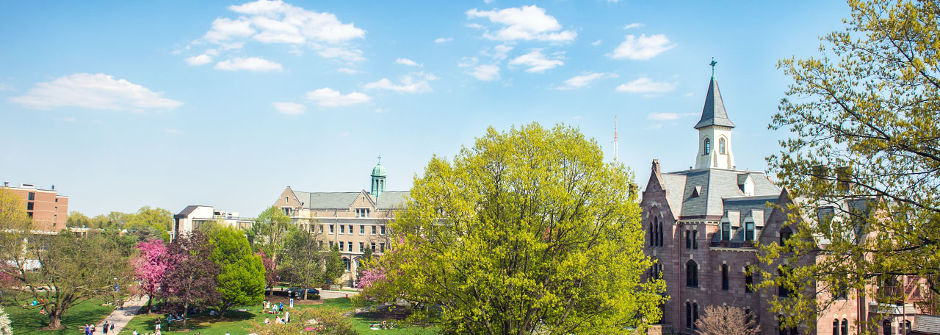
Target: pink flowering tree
[370,277]
[270,270]
[150,266]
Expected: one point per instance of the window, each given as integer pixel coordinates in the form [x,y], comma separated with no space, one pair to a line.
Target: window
[346,263]
[726,231]
[30,214]
[688,240]
[383,230]
[652,234]
[721,145]
[845,327]
[350,246]
[782,290]
[373,246]
[29,206]
[341,245]
[362,212]
[749,231]
[350,229]
[886,325]
[785,234]
[694,314]
[373,231]
[659,235]
[286,210]
[688,315]
[31,196]
[724,277]
[695,239]
[362,229]
[361,246]
[691,274]
[331,229]
[321,228]
[342,229]
[331,245]
[381,247]
[708,146]
[748,279]
[835,327]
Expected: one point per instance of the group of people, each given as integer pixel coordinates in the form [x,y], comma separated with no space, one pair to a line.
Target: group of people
[282,320]
[90,328]
[272,308]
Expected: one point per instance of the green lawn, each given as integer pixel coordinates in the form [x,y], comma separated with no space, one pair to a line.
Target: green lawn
[239,323]
[28,321]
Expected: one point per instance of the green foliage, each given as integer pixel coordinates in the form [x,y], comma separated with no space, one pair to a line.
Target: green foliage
[303,261]
[269,232]
[863,158]
[241,279]
[334,267]
[527,232]
[147,223]
[28,320]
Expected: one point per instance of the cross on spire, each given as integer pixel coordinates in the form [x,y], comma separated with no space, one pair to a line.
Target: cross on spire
[713,63]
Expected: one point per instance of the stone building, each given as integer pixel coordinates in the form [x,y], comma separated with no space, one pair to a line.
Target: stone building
[48,209]
[352,221]
[194,216]
[702,225]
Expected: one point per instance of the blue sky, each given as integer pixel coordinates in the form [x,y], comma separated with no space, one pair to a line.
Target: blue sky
[171,103]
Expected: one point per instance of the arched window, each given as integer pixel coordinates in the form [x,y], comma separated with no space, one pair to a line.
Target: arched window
[691,274]
[346,263]
[708,146]
[721,146]
[652,234]
[688,240]
[887,327]
[845,327]
[748,279]
[694,314]
[688,315]
[835,327]
[724,277]
[695,239]
[660,235]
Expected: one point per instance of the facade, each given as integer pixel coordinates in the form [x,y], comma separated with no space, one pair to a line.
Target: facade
[48,210]
[351,221]
[194,216]
[702,225]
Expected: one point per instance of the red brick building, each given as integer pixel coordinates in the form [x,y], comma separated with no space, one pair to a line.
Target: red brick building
[46,208]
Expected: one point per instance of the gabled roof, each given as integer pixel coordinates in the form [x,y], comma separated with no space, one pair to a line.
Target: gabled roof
[344,200]
[713,114]
[715,186]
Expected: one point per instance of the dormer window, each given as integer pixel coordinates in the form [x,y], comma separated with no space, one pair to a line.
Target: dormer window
[362,212]
[708,146]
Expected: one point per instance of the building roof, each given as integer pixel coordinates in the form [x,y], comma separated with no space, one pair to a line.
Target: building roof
[379,170]
[186,211]
[344,200]
[713,114]
[703,192]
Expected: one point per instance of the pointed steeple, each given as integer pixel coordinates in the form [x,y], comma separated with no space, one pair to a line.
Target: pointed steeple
[714,112]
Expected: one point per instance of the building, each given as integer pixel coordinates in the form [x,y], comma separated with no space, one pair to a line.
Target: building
[48,210]
[702,225]
[351,221]
[194,216]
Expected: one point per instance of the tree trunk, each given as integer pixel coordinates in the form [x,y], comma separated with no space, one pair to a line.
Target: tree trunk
[185,313]
[149,300]
[305,294]
[55,320]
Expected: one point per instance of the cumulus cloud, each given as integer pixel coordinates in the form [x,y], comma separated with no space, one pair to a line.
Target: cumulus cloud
[277,22]
[585,80]
[406,62]
[412,83]
[498,52]
[536,61]
[642,48]
[646,86]
[93,91]
[633,25]
[328,97]
[202,59]
[596,43]
[486,72]
[522,23]
[255,64]
[289,108]
[443,39]
[347,70]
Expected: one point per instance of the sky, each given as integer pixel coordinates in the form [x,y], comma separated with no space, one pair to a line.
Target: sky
[171,103]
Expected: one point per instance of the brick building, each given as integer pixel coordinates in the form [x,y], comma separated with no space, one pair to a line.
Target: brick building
[352,221]
[48,210]
[702,225]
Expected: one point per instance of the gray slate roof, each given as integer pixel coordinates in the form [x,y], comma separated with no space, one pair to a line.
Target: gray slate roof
[343,200]
[716,186]
[713,114]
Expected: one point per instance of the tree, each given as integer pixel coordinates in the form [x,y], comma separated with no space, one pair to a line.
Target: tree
[727,320]
[150,266]
[269,232]
[149,223]
[863,157]
[60,271]
[241,273]
[190,281]
[528,231]
[270,271]
[334,267]
[364,261]
[303,260]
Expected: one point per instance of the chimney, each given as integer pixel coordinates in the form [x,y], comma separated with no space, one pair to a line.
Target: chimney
[53,187]
[6,184]
[655,166]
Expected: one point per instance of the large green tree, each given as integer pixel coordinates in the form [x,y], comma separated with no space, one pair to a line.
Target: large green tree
[863,158]
[270,231]
[526,232]
[147,223]
[241,273]
[303,260]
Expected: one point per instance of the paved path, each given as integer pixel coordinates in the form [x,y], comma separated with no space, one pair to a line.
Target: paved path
[120,317]
[329,294]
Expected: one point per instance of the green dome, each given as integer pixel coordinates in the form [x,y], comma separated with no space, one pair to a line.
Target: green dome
[378,170]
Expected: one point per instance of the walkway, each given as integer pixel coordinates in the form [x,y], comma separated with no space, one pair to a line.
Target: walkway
[120,317]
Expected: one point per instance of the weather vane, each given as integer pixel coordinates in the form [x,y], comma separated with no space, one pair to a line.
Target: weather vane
[713,63]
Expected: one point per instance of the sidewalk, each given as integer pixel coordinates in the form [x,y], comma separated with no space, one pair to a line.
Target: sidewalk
[120,317]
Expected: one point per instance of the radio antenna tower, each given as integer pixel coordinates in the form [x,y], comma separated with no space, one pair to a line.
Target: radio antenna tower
[616,142]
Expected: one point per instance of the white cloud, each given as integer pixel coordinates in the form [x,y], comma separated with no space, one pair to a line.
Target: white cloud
[93,91]
[289,108]
[347,70]
[328,97]
[663,116]
[406,62]
[633,25]
[256,64]
[642,48]
[486,72]
[596,43]
[277,22]
[523,23]
[585,80]
[646,86]
[417,82]
[202,59]
[536,61]
[498,52]
[443,39]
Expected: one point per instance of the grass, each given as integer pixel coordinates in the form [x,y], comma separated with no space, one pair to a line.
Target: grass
[238,323]
[28,321]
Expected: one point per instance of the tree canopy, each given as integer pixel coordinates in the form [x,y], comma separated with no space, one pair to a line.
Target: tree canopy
[241,278]
[863,157]
[528,231]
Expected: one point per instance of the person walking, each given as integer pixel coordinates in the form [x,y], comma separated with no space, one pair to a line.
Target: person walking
[105,327]
[92,329]
[87,329]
